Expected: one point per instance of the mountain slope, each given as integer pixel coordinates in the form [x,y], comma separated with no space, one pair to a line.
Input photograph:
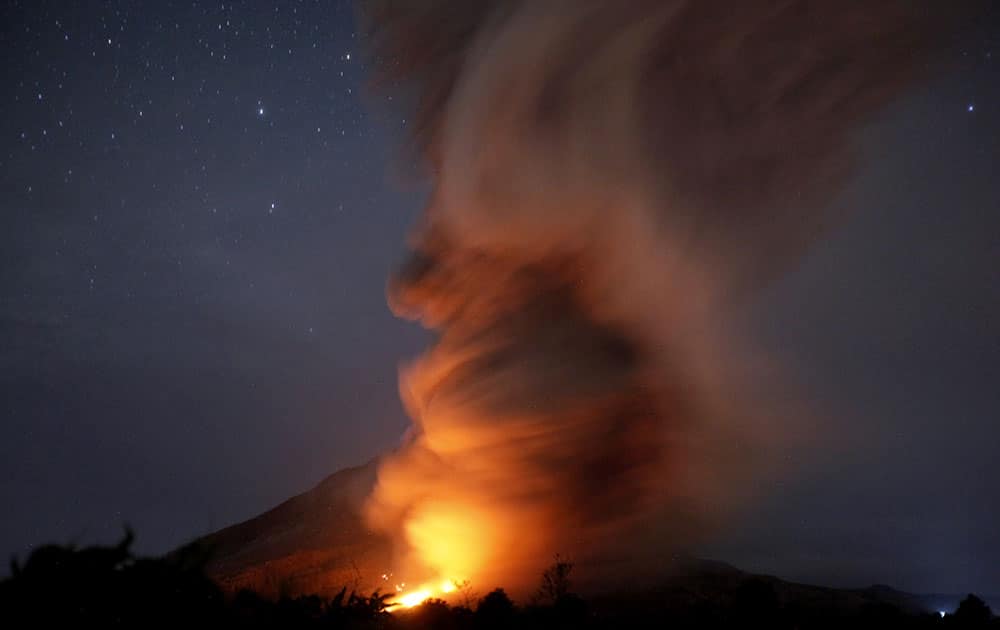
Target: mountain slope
[316,542]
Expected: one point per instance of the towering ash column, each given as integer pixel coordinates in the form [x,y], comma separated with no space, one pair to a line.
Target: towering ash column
[610,180]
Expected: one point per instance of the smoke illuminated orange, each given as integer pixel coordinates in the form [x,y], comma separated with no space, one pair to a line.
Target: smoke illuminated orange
[598,212]
[451,538]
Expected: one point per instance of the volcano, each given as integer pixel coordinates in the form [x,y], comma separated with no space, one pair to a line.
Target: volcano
[317,543]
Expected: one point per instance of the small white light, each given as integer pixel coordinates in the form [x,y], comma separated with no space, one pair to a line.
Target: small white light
[972,107]
[942,613]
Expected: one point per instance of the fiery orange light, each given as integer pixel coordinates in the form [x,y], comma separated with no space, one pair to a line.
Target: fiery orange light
[414,598]
[453,539]
[422,594]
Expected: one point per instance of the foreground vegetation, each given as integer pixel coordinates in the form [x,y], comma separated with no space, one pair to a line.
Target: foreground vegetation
[62,587]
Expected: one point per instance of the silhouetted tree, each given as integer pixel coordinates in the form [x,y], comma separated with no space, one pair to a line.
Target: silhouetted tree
[555,581]
[973,613]
[102,586]
[107,585]
[466,595]
[496,610]
[99,586]
[433,614]
[555,606]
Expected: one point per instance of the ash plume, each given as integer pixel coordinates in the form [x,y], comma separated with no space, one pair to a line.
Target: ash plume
[610,180]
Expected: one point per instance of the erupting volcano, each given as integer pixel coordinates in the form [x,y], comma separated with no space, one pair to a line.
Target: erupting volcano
[611,182]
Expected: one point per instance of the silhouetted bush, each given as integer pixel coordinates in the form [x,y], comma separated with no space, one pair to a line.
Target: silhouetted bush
[61,586]
[107,586]
[433,614]
[495,611]
[973,613]
[555,581]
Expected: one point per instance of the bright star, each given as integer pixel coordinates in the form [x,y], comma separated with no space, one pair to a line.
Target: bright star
[260,111]
[972,107]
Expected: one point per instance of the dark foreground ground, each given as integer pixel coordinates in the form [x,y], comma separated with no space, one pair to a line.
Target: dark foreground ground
[67,587]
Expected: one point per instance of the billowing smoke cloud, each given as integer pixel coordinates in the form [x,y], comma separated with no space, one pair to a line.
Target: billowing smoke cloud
[610,180]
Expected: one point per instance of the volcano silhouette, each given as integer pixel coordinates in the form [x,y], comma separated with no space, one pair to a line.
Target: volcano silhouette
[315,542]
[318,543]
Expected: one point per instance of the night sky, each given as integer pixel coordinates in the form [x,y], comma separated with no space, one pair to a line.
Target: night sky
[199,208]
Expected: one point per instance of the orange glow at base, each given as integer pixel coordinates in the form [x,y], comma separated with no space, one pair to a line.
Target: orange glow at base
[422,594]
[412,599]
[451,537]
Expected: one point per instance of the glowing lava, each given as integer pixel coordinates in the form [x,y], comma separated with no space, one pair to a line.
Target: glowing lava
[422,594]
[416,597]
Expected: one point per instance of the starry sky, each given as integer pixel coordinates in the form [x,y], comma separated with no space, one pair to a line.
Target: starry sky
[200,204]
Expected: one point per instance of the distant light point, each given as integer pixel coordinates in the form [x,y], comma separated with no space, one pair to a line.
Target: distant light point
[971,107]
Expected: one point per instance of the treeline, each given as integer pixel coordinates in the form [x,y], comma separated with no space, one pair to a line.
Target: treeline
[108,586]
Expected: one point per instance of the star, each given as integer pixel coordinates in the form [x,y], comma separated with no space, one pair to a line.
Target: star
[971,107]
